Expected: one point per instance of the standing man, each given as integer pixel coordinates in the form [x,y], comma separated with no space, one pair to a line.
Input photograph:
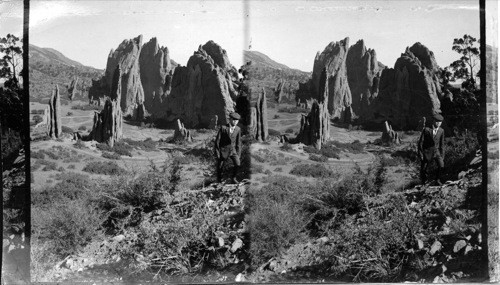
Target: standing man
[228,145]
[431,147]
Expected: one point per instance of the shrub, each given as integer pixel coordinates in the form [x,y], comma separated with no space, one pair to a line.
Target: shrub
[293,110]
[79,144]
[273,132]
[49,165]
[37,119]
[37,155]
[69,114]
[313,170]
[82,128]
[278,169]
[318,158]
[87,107]
[276,221]
[72,186]
[148,144]
[67,130]
[286,147]
[39,111]
[106,168]
[103,147]
[111,155]
[71,166]
[289,131]
[67,226]
[122,148]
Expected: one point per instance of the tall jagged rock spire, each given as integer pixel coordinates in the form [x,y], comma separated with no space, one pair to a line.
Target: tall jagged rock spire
[54,126]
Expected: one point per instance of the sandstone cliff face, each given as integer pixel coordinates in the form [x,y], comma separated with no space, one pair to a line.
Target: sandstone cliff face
[127,57]
[107,126]
[410,90]
[203,89]
[156,72]
[363,75]
[55,126]
[333,58]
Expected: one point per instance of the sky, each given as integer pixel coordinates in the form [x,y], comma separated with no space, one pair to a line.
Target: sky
[86,31]
[290,32]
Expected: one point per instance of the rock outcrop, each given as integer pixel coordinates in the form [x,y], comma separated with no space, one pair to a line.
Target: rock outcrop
[156,72]
[410,90]
[278,91]
[72,89]
[202,89]
[333,59]
[363,75]
[390,136]
[55,126]
[107,126]
[315,127]
[127,57]
[181,133]
[259,127]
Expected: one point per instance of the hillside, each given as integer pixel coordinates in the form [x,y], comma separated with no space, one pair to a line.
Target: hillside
[48,67]
[267,73]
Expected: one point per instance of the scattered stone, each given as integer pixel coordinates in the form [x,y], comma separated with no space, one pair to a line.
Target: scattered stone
[119,238]
[420,244]
[459,245]
[436,246]
[273,265]
[237,244]
[323,240]
[221,242]
[5,242]
[462,174]
[240,278]
[467,249]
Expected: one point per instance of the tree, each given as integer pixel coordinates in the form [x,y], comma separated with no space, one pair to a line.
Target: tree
[11,58]
[464,67]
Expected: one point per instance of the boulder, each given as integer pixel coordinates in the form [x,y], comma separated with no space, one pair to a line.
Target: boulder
[408,91]
[315,127]
[363,75]
[333,60]
[258,118]
[202,89]
[54,126]
[107,126]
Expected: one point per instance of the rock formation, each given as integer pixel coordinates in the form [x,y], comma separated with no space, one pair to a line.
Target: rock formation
[278,91]
[202,89]
[97,91]
[258,118]
[390,136]
[333,58]
[127,57]
[363,75]
[72,89]
[181,133]
[410,90]
[156,72]
[54,126]
[315,127]
[108,123]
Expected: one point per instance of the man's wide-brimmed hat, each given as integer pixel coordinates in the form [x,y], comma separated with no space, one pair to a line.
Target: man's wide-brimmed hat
[438,117]
[234,116]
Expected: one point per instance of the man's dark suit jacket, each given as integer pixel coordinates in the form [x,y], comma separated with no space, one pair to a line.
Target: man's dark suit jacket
[431,146]
[227,144]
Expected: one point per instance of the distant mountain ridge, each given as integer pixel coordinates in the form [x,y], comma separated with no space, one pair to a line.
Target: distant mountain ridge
[267,73]
[48,67]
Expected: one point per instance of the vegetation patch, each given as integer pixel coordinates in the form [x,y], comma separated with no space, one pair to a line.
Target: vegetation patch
[313,170]
[106,168]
